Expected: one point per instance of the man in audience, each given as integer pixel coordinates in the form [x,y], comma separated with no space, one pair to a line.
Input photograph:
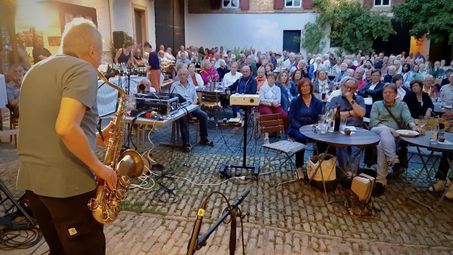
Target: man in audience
[188,91]
[391,71]
[245,85]
[14,81]
[232,76]
[352,107]
[446,92]
[372,91]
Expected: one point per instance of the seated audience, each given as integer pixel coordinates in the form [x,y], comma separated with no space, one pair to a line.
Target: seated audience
[446,92]
[304,110]
[288,90]
[208,72]
[352,107]
[387,116]
[270,98]
[260,78]
[419,102]
[222,69]
[321,82]
[373,90]
[245,85]
[232,76]
[398,80]
[188,91]
[194,77]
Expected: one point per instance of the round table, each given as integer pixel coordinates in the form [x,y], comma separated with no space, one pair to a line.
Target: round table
[360,137]
[423,141]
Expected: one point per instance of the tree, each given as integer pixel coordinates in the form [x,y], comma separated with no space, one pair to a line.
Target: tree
[433,18]
[312,40]
[353,27]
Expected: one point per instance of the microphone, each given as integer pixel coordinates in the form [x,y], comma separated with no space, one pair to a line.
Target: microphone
[196,229]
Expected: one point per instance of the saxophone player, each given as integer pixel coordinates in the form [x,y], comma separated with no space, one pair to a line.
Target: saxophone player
[57,142]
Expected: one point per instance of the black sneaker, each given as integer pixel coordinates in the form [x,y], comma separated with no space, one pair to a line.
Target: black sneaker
[187,148]
[378,189]
[205,141]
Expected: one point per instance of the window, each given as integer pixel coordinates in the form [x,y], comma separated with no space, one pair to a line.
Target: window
[293,3]
[381,3]
[230,3]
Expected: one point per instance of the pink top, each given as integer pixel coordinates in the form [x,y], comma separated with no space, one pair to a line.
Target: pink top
[209,74]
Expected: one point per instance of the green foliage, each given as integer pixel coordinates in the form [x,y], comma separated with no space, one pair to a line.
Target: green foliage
[353,27]
[312,40]
[433,18]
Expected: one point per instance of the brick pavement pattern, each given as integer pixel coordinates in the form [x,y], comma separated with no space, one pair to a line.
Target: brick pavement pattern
[291,218]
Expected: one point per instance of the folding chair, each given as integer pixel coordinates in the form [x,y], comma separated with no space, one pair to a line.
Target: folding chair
[283,150]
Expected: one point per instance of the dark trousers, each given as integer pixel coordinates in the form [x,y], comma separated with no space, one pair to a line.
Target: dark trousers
[202,120]
[67,224]
[444,166]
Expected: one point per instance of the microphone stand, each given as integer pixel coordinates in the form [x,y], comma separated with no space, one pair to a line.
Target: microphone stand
[197,242]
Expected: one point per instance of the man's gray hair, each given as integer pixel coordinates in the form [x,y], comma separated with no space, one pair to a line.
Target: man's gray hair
[78,36]
[348,78]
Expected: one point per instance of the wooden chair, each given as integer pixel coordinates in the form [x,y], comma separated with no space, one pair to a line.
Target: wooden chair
[210,103]
[283,150]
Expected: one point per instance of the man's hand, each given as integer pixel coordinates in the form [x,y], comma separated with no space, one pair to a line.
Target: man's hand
[348,95]
[107,174]
[394,133]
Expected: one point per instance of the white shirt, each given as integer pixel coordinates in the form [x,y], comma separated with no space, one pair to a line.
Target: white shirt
[270,94]
[189,92]
[401,94]
[229,78]
[373,85]
[198,78]
[446,93]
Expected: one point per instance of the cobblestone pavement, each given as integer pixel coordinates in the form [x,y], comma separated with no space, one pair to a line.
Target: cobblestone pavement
[291,218]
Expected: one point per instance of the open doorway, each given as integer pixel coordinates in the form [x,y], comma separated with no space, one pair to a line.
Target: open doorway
[140,25]
[291,40]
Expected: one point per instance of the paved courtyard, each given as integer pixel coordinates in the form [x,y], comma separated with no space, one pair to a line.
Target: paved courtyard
[291,218]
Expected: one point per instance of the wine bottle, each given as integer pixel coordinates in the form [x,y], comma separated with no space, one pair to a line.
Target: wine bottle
[337,119]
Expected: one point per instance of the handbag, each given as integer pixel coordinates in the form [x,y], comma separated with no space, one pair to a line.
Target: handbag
[326,172]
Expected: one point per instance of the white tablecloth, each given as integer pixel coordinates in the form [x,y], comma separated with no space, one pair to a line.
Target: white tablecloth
[3,96]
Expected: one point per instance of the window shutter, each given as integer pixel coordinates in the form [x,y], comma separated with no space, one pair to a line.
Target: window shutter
[244,4]
[368,3]
[278,4]
[216,4]
[307,4]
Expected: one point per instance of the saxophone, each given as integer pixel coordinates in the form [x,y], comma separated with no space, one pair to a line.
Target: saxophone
[129,164]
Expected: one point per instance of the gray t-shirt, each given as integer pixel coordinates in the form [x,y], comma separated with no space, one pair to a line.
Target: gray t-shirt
[47,167]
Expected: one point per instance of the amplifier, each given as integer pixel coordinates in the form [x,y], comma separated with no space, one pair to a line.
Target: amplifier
[244,100]
[162,103]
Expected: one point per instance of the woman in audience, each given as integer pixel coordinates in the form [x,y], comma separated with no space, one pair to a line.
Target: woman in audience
[223,69]
[407,74]
[287,88]
[296,77]
[208,72]
[270,101]
[401,89]
[124,55]
[419,102]
[304,110]
[260,78]
[269,67]
[321,83]
[194,77]
[386,117]
[428,85]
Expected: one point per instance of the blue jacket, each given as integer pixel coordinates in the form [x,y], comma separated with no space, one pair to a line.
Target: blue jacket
[287,95]
[244,86]
[300,115]
[376,93]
